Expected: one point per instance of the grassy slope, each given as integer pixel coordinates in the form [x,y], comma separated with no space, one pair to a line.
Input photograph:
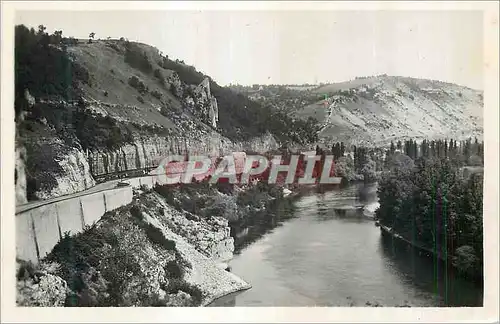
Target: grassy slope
[395,107]
[111,73]
[238,115]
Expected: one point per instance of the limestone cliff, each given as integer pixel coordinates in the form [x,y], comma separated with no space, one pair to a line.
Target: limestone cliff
[378,110]
[203,104]
[54,169]
[149,151]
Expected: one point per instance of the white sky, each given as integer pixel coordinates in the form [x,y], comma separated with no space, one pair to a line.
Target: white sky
[295,47]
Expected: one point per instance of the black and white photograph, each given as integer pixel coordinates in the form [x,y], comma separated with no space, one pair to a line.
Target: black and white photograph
[238,157]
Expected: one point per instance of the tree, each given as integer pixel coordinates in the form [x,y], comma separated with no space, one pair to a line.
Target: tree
[344,168]
[433,206]
[369,171]
[41,29]
[465,259]
[57,37]
[415,150]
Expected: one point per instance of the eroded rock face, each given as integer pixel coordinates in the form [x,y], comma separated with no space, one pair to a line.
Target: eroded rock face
[209,236]
[149,151]
[73,176]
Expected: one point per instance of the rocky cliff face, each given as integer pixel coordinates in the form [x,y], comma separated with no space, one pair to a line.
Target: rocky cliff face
[210,236]
[149,151]
[203,104]
[53,170]
[75,176]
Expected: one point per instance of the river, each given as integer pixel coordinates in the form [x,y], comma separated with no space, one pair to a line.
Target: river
[329,253]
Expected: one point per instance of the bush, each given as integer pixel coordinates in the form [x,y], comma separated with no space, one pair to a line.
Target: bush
[137,59]
[95,131]
[140,99]
[176,285]
[76,255]
[174,270]
[475,160]
[465,259]
[156,94]
[223,206]
[136,212]
[137,84]
[159,75]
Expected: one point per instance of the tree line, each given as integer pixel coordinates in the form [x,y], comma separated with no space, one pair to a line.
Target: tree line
[425,198]
[463,152]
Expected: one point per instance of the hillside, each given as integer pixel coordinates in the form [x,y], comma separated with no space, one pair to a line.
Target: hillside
[87,110]
[383,108]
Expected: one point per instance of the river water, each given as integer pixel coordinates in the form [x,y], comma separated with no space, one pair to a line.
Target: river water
[330,253]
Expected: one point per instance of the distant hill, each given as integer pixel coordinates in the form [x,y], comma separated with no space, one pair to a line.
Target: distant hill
[379,109]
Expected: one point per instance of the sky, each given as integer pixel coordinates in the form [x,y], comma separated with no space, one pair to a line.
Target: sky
[295,47]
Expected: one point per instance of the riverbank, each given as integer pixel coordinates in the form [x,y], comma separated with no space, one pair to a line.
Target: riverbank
[169,247]
[448,260]
[318,256]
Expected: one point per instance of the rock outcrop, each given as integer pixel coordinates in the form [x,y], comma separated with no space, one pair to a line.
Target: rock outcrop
[210,237]
[67,170]
[20,176]
[148,152]
[203,104]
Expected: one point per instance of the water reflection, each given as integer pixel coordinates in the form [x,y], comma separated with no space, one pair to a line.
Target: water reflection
[262,222]
[432,277]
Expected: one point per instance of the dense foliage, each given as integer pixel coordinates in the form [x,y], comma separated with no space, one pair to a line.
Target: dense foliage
[432,204]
